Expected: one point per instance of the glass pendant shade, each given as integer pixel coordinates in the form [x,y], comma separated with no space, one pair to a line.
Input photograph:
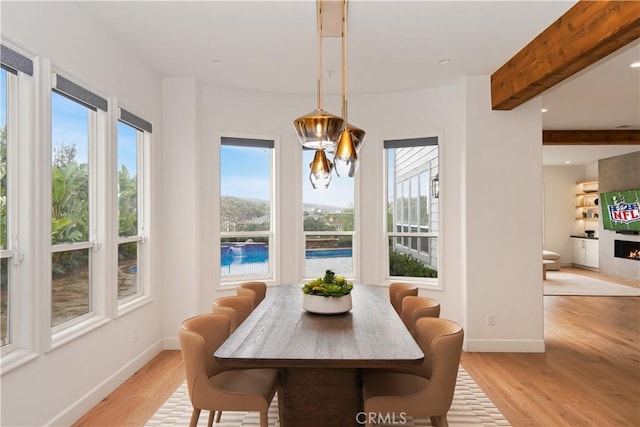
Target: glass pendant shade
[357,135]
[346,157]
[318,129]
[321,167]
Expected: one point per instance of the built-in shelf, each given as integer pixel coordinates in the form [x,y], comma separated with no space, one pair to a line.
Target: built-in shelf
[586,200]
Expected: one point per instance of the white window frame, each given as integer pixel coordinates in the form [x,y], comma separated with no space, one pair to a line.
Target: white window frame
[22,347]
[422,282]
[143,144]
[99,218]
[353,234]
[231,281]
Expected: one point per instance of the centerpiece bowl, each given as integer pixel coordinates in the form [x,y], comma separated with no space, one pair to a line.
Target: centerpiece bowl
[330,294]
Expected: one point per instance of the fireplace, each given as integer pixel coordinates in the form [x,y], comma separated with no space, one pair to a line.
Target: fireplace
[626,249]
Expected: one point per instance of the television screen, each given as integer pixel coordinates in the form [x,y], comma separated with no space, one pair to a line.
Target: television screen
[621,210]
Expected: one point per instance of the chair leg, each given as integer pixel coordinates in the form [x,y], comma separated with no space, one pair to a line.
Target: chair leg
[210,420]
[218,416]
[440,421]
[194,417]
[264,418]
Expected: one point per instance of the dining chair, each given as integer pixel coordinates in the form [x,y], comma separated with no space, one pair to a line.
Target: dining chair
[210,386]
[260,288]
[397,291]
[426,395]
[249,293]
[237,308]
[414,307]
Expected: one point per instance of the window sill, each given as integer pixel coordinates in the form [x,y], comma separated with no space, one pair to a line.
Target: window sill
[69,334]
[133,305]
[14,359]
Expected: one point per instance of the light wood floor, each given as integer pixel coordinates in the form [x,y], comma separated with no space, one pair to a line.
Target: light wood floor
[589,374]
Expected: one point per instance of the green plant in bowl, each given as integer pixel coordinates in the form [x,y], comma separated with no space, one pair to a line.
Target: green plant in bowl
[329,285]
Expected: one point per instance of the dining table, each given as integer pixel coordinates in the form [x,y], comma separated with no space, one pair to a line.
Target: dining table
[321,357]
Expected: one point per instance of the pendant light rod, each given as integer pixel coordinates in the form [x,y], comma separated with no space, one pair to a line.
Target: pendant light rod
[319,83]
[344,61]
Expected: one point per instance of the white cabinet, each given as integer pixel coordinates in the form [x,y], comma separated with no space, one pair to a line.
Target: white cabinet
[585,252]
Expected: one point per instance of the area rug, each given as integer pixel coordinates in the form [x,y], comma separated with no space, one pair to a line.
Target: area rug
[563,283]
[470,407]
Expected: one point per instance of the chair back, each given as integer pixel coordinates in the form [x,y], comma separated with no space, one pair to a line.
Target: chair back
[249,293]
[260,288]
[397,292]
[200,337]
[414,307]
[441,343]
[241,305]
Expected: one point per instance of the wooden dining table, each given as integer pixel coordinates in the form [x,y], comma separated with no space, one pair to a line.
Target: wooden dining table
[321,357]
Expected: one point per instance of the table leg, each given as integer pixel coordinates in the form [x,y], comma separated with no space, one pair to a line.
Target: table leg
[317,397]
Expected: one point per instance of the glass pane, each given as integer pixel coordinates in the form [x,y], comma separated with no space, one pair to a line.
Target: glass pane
[414,208]
[405,202]
[392,197]
[406,262]
[128,270]
[244,256]
[70,171]
[70,285]
[3,159]
[127,180]
[329,209]
[424,200]
[245,183]
[4,301]
[329,253]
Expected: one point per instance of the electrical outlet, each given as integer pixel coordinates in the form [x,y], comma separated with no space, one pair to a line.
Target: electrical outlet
[491,320]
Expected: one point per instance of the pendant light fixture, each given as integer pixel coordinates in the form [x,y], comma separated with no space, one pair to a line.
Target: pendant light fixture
[319,129]
[321,168]
[351,138]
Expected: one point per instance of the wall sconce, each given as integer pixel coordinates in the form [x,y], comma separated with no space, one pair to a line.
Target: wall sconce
[435,186]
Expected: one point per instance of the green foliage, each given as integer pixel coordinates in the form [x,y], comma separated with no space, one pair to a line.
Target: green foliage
[70,208]
[405,265]
[328,286]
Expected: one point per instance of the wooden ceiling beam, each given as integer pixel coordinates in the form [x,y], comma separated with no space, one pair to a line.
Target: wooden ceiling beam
[586,33]
[591,137]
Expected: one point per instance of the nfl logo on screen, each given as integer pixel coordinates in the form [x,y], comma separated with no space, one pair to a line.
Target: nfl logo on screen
[624,212]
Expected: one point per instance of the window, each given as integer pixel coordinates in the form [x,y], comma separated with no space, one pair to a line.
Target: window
[78,120]
[246,208]
[15,101]
[412,207]
[6,254]
[132,133]
[328,224]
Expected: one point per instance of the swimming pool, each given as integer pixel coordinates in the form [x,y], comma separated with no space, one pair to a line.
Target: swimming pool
[242,259]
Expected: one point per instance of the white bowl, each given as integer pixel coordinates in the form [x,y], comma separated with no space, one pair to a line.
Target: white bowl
[326,305]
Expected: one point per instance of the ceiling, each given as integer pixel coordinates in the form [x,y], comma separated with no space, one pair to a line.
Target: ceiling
[271,46]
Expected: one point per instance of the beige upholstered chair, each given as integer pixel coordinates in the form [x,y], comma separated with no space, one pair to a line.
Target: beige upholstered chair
[414,308]
[397,291]
[426,395]
[212,388]
[249,293]
[260,289]
[237,308]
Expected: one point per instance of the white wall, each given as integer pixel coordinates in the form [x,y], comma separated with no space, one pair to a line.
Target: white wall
[560,223]
[59,386]
[503,221]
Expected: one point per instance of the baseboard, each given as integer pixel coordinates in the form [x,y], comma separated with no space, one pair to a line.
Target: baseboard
[170,344]
[504,346]
[81,406]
